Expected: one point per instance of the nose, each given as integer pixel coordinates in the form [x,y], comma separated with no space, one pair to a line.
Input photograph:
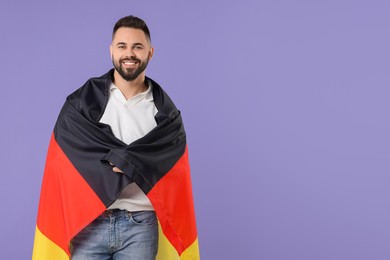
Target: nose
[130,52]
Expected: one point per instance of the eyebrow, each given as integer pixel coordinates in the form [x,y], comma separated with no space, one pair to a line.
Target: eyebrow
[134,44]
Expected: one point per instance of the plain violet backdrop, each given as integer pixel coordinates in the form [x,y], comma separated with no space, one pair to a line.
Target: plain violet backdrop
[285,103]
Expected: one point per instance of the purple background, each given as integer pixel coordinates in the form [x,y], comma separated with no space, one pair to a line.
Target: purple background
[285,105]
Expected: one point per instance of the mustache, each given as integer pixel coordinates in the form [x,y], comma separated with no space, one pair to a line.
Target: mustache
[130,59]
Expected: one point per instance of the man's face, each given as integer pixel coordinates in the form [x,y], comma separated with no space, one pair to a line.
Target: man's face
[130,52]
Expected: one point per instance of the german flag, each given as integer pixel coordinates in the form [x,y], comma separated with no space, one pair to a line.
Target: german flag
[78,183]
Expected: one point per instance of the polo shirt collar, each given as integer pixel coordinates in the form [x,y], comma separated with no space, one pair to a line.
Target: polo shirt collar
[147,95]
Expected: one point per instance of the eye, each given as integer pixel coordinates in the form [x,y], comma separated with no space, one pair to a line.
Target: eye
[138,47]
[121,47]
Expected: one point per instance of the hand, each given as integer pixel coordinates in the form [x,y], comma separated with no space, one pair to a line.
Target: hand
[116,169]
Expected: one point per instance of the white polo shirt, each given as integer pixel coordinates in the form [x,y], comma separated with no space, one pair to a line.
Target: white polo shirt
[130,120]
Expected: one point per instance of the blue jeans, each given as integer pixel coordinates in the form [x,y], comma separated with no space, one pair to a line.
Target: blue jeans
[118,235]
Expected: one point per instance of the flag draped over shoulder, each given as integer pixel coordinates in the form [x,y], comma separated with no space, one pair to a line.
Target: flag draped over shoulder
[78,183]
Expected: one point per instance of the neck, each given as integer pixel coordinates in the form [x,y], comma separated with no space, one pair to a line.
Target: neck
[130,88]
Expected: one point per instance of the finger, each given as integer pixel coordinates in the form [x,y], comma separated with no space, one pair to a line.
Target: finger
[116,169]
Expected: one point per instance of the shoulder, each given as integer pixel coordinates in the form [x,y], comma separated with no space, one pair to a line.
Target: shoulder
[165,106]
[91,98]
[92,86]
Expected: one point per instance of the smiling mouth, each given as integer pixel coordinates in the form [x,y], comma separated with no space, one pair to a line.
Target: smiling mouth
[129,63]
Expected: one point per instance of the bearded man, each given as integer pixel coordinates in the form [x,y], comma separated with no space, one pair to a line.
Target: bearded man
[117,173]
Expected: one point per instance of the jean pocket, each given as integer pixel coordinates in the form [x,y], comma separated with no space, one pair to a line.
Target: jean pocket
[144,218]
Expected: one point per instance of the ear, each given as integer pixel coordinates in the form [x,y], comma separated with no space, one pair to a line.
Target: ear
[111,51]
[151,51]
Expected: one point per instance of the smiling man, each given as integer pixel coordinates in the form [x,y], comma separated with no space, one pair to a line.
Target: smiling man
[117,181]
[129,112]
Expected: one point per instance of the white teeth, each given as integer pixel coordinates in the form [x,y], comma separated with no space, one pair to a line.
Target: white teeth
[129,63]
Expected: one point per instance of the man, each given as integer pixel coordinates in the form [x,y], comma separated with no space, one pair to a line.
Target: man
[117,158]
[130,113]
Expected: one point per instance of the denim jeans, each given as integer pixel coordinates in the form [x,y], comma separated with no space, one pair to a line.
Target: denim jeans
[118,235]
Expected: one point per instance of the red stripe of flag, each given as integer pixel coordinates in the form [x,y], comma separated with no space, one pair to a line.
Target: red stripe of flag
[67,203]
[173,202]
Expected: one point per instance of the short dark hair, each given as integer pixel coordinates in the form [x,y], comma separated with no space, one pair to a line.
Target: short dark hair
[132,22]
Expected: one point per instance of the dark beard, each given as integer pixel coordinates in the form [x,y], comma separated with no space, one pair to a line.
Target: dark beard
[130,74]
